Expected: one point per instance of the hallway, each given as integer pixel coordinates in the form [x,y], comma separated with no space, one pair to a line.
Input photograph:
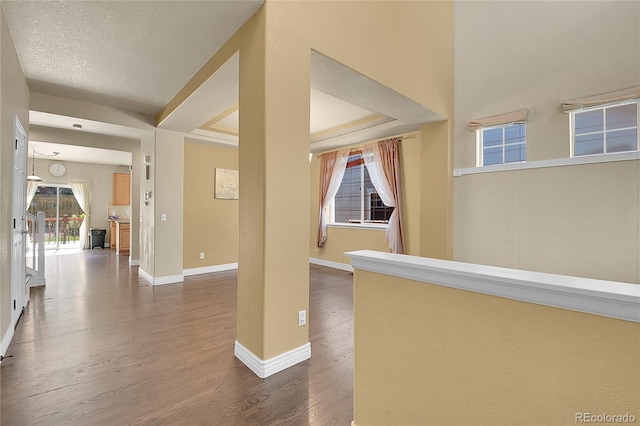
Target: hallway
[98,345]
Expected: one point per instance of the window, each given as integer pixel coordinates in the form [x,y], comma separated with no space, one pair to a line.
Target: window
[502,144]
[605,129]
[357,200]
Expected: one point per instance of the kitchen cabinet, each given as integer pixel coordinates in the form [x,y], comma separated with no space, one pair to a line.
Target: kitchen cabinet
[122,238]
[121,189]
[112,235]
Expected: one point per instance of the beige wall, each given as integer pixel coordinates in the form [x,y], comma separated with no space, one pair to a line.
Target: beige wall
[427,355]
[168,195]
[546,58]
[147,207]
[578,220]
[210,225]
[14,101]
[581,220]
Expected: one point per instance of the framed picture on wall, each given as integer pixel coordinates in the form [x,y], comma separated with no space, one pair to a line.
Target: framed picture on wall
[226,185]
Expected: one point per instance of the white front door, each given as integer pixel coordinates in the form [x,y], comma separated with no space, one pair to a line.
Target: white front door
[19,293]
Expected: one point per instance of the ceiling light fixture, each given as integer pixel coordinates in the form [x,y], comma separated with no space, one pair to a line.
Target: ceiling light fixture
[33,177]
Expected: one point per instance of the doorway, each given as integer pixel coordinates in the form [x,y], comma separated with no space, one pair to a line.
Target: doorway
[63,215]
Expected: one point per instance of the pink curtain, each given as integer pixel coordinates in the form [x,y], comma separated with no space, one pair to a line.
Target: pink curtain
[332,167]
[382,160]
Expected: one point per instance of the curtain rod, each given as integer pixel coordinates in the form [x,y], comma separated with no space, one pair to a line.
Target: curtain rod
[388,139]
[359,148]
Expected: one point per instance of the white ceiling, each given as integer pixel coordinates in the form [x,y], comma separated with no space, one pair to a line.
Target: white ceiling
[74,153]
[136,55]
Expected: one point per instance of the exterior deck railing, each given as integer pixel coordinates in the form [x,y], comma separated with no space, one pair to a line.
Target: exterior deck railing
[68,229]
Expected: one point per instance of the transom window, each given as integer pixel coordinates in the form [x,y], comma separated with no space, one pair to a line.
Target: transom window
[502,144]
[605,129]
[357,201]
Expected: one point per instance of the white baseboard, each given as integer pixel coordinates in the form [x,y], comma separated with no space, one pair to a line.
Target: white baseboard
[209,269]
[273,365]
[169,279]
[134,262]
[6,340]
[331,264]
[144,274]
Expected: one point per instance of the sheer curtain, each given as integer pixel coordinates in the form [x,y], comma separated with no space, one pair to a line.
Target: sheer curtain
[382,160]
[82,192]
[332,167]
[32,188]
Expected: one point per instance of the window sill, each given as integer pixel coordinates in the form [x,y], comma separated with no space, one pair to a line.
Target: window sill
[600,158]
[372,226]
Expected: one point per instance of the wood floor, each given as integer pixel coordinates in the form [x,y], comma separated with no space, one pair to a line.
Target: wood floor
[99,346]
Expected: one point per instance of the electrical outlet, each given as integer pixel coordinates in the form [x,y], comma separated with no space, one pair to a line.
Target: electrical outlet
[201,255]
[302,317]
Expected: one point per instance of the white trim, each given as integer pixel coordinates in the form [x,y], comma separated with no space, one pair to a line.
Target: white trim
[273,365]
[372,226]
[558,162]
[209,269]
[331,264]
[134,262]
[169,279]
[6,339]
[606,298]
[144,274]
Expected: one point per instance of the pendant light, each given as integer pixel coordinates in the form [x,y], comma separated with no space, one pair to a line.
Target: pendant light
[33,177]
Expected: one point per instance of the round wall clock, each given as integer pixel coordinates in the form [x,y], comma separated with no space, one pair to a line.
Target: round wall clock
[57,169]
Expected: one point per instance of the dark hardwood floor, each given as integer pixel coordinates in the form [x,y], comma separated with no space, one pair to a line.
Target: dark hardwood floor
[99,346]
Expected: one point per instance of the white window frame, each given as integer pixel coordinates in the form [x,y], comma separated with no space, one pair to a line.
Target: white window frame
[480,144]
[572,127]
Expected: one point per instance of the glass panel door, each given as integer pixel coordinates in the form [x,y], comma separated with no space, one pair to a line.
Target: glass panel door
[63,215]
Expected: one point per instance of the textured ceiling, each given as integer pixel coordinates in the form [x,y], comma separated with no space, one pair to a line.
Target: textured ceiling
[133,55]
[136,55]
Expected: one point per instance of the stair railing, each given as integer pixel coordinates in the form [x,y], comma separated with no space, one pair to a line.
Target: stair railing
[35,249]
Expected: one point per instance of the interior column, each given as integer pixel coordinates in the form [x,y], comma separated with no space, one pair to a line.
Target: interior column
[273,259]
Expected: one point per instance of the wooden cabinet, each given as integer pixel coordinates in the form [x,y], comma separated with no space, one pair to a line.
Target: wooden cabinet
[122,238]
[112,235]
[121,189]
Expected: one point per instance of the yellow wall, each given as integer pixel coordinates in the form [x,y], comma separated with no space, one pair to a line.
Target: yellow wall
[210,224]
[273,277]
[431,355]
[436,191]
[414,59]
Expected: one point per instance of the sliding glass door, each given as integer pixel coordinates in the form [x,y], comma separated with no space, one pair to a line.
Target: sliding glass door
[63,215]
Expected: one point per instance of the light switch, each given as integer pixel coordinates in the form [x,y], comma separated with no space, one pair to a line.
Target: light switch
[163,217]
